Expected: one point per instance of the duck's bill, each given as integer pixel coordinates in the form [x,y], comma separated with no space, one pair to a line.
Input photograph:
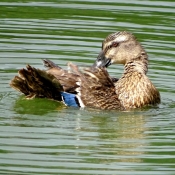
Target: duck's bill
[102,61]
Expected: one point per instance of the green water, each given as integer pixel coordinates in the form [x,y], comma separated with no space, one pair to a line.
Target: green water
[41,136]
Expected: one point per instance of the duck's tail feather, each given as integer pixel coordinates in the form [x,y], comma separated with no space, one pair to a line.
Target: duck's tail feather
[37,83]
[49,64]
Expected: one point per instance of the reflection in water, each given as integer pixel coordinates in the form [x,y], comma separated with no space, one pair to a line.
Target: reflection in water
[131,130]
[37,106]
[123,135]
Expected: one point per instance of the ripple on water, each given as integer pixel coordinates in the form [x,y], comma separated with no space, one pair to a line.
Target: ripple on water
[41,136]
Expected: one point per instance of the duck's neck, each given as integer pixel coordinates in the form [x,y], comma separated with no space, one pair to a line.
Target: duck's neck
[139,64]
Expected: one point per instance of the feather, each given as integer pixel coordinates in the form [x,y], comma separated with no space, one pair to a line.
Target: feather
[70,99]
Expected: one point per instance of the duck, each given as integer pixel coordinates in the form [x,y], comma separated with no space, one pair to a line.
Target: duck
[93,86]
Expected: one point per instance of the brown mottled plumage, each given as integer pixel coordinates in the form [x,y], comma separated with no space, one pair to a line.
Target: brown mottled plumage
[34,82]
[93,87]
[97,89]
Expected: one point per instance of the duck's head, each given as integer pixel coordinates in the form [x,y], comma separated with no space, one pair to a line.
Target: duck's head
[119,48]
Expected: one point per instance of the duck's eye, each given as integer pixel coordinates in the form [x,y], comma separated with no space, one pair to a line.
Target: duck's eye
[115,44]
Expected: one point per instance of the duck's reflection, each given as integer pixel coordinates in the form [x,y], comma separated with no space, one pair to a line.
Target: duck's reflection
[123,135]
[36,106]
[119,137]
[130,137]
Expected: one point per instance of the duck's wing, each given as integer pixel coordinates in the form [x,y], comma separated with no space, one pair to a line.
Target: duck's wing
[96,89]
[66,78]
[33,82]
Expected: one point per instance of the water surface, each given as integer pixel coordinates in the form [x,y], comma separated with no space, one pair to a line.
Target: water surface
[41,136]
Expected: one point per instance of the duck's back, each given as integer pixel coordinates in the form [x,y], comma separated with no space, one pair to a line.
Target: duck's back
[136,90]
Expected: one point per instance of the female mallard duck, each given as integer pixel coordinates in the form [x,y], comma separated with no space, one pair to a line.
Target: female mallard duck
[93,87]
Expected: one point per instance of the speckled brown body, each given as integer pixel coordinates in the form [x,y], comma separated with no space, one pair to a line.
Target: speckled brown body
[97,89]
[135,90]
